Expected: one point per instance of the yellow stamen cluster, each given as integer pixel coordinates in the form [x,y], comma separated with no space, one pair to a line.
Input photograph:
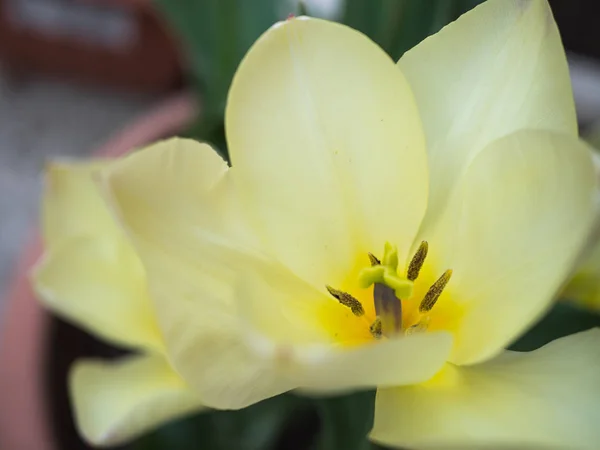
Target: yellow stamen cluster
[391,288]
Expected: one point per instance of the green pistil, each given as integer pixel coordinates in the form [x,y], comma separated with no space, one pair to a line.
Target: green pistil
[386,273]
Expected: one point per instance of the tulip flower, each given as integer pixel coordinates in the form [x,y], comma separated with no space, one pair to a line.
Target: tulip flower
[90,275]
[380,225]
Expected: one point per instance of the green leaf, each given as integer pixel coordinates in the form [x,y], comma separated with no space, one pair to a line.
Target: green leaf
[346,421]
[398,25]
[214,36]
[301,9]
[564,319]
[258,427]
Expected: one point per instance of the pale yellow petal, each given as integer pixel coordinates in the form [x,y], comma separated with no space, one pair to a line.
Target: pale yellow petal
[278,305]
[71,204]
[176,201]
[233,370]
[227,366]
[208,339]
[512,235]
[250,367]
[178,205]
[398,361]
[326,141]
[173,194]
[99,284]
[499,68]
[117,401]
[543,399]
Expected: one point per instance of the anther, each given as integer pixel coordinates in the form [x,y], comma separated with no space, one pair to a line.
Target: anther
[347,300]
[418,327]
[417,261]
[434,292]
[376,328]
[374,260]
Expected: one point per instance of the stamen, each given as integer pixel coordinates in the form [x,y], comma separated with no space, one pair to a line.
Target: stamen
[376,328]
[434,292]
[417,261]
[418,327]
[347,300]
[374,260]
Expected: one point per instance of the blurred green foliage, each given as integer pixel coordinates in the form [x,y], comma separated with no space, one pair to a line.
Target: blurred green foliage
[215,34]
[563,319]
[286,422]
[259,427]
[398,25]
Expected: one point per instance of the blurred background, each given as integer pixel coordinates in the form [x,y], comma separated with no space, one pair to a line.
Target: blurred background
[83,77]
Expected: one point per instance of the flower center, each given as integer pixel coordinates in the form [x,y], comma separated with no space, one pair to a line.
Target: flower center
[390,290]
